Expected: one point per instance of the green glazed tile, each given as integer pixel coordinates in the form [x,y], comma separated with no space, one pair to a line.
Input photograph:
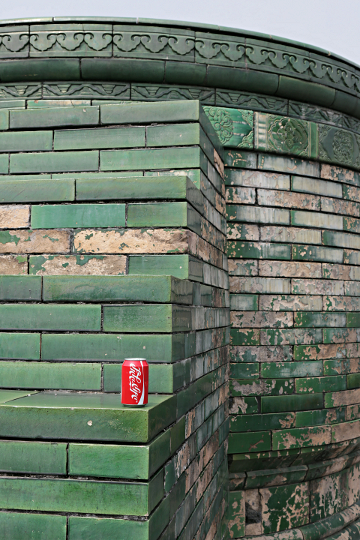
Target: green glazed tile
[176,214]
[135,113]
[81,496]
[54,162]
[43,375]
[247,442]
[161,158]
[291,369]
[119,461]
[10,395]
[87,139]
[146,318]
[241,370]
[262,422]
[14,524]
[320,417]
[78,417]
[26,141]
[294,495]
[180,266]
[117,288]
[291,403]
[32,457]
[20,288]
[156,348]
[51,117]
[77,215]
[4,163]
[314,385]
[19,346]
[37,190]
[52,317]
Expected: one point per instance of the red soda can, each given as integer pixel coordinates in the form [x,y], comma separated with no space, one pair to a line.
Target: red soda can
[134,382]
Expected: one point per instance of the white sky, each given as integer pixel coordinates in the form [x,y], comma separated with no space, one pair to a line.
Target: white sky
[330,24]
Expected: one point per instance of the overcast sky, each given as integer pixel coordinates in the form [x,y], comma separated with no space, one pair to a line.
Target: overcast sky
[330,24]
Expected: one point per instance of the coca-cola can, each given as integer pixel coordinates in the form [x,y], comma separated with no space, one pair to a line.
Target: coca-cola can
[134,382]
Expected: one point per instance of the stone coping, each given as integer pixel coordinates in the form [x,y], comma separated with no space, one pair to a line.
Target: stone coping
[150,51]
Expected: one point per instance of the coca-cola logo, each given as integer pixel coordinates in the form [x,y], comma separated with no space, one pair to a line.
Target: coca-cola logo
[135,382]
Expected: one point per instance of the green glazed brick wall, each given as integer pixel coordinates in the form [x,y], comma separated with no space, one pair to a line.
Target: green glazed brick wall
[294,385]
[112,245]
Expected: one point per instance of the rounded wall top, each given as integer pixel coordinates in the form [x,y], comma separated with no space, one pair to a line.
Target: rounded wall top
[175,53]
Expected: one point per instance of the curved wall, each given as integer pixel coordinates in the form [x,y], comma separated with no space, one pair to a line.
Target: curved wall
[287,115]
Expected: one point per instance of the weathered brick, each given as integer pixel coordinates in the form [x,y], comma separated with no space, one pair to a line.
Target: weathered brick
[318,253]
[14,216]
[318,187]
[260,319]
[290,234]
[301,437]
[338,206]
[286,199]
[289,269]
[257,179]
[13,264]
[257,214]
[258,250]
[260,354]
[317,287]
[333,172]
[38,241]
[240,195]
[47,265]
[341,303]
[259,285]
[345,240]
[292,336]
[351,193]
[240,231]
[243,267]
[288,165]
[131,241]
[340,272]
[316,219]
[290,303]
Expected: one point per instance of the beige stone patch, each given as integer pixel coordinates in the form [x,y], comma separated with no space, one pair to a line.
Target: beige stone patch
[290,234]
[287,199]
[14,217]
[242,231]
[331,172]
[336,271]
[290,303]
[259,319]
[290,269]
[259,285]
[346,397]
[338,206]
[318,287]
[13,264]
[132,241]
[62,265]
